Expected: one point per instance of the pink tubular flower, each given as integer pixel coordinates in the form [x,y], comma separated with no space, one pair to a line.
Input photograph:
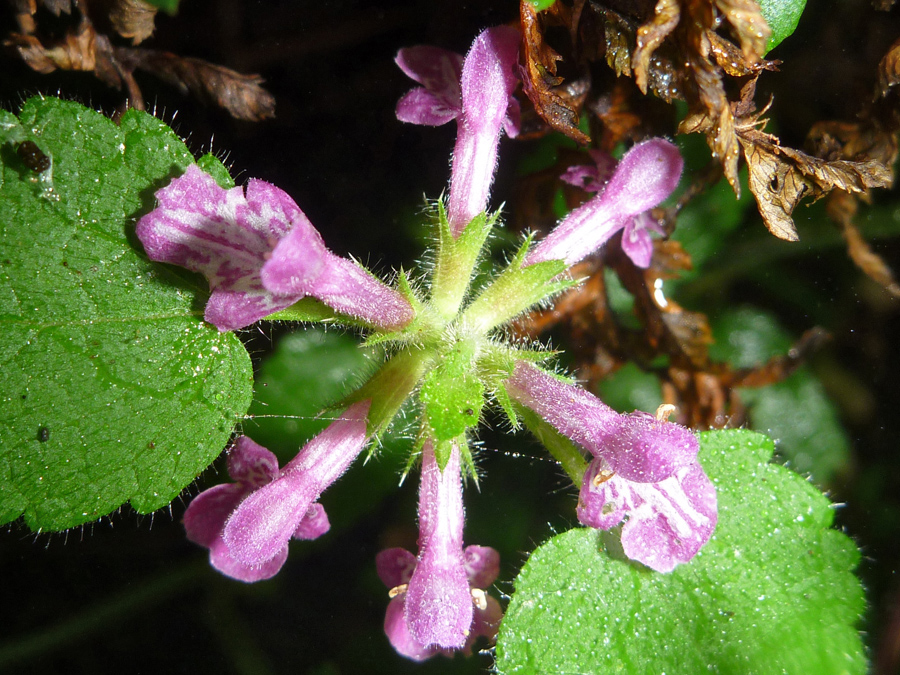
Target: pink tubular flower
[247,526]
[644,468]
[636,240]
[259,253]
[253,467]
[395,568]
[668,522]
[638,447]
[646,175]
[481,101]
[432,606]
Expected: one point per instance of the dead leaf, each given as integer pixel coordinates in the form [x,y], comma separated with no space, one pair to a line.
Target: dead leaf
[540,81]
[241,95]
[841,207]
[76,51]
[650,37]
[133,19]
[730,59]
[58,7]
[780,177]
[889,69]
[748,23]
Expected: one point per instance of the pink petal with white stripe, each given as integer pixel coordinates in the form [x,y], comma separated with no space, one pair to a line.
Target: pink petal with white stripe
[668,522]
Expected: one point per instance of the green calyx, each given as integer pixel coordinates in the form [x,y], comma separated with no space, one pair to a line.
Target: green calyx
[449,358]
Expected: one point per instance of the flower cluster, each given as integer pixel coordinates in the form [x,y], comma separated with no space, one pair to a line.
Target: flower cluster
[446,359]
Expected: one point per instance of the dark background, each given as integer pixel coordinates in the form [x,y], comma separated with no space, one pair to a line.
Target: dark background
[129,594]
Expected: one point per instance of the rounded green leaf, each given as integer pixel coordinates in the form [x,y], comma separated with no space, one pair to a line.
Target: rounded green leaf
[772,592]
[113,388]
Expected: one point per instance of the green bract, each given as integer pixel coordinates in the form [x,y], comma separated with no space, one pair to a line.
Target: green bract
[772,592]
[114,389]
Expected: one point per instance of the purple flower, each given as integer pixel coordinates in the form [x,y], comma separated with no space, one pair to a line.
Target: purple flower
[252,467]
[637,447]
[247,525]
[480,100]
[395,568]
[432,607]
[259,253]
[439,99]
[668,522]
[262,524]
[643,468]
[646,175]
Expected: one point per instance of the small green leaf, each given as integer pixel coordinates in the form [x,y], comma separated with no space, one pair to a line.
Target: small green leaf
[772,592]
[453,394]
[455,260]
[782,17]
[306,309]
[114,389]
[796,412]
[308,371]
[168,6]
[211,165]
[541,5]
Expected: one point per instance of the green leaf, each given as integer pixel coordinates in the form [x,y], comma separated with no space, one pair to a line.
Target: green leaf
[782,17]
[308,371]
[797,412]
[453,394]
[168,6]
[772,592]
[113,388]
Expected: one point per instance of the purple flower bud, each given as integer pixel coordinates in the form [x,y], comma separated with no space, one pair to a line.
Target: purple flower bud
[639,447]
[228,237]
[252,467]
[668,522]
[432,610]
[646,175]
[488,81]
[262,524]
[481,100]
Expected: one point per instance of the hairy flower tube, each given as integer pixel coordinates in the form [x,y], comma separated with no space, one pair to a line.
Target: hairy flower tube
[443,359]
[438,598]
[252,467]
[259,253]
[644,177]
[481,101]
[636,240]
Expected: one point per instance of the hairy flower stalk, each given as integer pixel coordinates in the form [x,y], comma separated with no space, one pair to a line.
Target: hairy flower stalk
[445,360]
